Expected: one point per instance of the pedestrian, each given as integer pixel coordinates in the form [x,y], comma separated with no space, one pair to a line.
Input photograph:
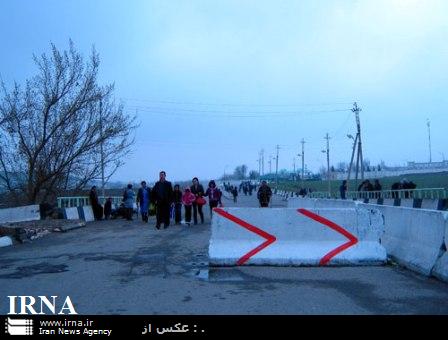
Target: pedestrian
[198,190]
[96,206]
[234,193]
[143,199]
[377,188]
[128,200]
[162,196]
[214,196]
[108,208]
[177,199]
[264,194]
[343,189]
[187,199]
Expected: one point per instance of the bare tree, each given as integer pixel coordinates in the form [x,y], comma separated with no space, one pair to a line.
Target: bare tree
[253,174]
[323,171]
[52,129]
[240,172]
[342,167]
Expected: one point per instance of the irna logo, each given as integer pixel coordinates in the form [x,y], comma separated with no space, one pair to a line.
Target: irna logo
[24,305]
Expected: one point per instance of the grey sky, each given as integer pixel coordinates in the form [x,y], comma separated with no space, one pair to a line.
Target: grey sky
[214,82]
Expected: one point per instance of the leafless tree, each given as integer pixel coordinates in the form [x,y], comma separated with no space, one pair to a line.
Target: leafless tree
[254,174]
[342,167]
[53,127]
[240,172]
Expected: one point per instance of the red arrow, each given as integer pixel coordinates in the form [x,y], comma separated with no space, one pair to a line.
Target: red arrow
[352,240]
[269,238]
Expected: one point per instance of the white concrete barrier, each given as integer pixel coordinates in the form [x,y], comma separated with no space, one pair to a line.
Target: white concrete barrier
[311,203]
[299,237]
[71,213]
[389,201]
[20,214]
[441,268]
[413,237]
[300,202]
[335,203]
[407,202]
[86,213]
[432,204]
[5,241]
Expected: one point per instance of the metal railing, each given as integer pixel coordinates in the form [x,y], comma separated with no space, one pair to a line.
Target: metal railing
[424,193]
[79,201]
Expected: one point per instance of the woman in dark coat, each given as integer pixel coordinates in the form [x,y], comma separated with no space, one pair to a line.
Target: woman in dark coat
[198,190]
[96,206]
[214,196]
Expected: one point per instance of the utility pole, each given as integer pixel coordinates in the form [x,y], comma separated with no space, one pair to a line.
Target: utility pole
[276,165]
[356,110]
[357,147]
[259,162]
[327,137]
[294,167]
[429,137]
[353,155]
[303,160]
[262,161]
[270,164]
[103,193]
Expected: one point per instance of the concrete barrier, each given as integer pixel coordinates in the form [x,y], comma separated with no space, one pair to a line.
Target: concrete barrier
[389,201]
[71,213]
[311,203]
[299,202]
[432,204]
[86,213]
[297,237]
[20,214]
[413,237]
[441,268]
[5,241]
[407,202]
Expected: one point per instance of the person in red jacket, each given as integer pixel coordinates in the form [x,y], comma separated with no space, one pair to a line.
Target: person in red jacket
[187,199]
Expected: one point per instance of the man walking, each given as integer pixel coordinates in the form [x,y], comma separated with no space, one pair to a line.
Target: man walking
[264,194]
[162,196]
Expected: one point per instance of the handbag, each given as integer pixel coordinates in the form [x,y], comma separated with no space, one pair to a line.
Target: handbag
[200,201]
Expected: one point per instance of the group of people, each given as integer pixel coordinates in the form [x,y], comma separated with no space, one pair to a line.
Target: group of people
[366,186]
[264,192]
[167,200]
[164,200]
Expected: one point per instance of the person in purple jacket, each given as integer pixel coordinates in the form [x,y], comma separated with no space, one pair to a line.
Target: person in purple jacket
[214,196]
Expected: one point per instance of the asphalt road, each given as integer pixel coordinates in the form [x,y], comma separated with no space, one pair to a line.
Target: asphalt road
[120,267]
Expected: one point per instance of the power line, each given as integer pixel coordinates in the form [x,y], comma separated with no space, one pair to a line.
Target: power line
[195,113]
[161,109]
[172,102]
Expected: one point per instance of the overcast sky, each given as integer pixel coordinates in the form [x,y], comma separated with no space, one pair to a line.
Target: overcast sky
[214,82]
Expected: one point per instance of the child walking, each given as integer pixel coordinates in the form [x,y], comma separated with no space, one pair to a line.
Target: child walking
[187,199]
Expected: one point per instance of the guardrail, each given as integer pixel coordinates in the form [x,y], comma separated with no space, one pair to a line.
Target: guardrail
[424,193]
[79,201]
